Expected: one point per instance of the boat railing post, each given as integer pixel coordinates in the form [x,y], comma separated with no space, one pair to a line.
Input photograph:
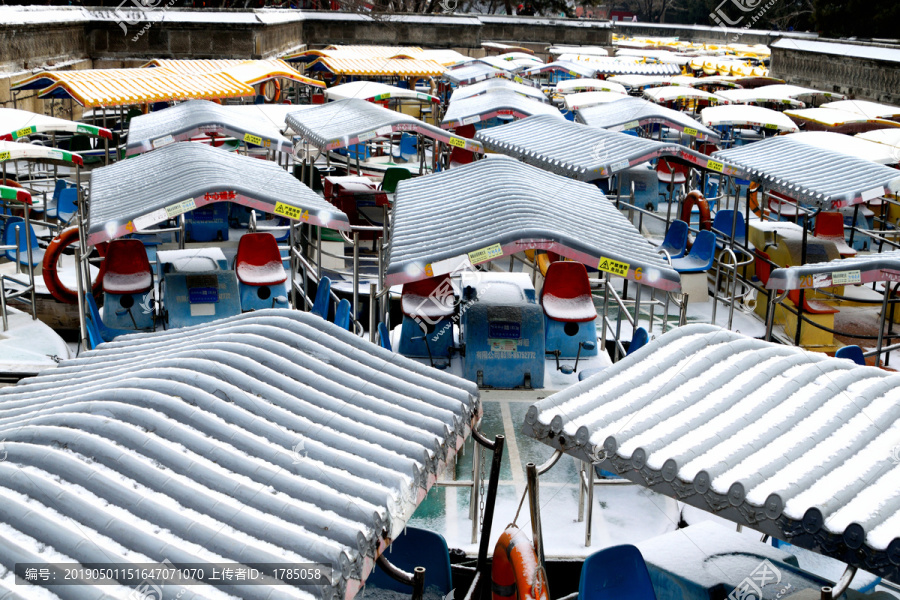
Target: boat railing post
[373,298]
[590,503]
[79,286]
[181,231]
[30,255]
[318,253]
[292,240]
[605,309]
[3,303]
[490,501]
[682,317]
[474,507]
[17,231]
[355,275]
[881,322]
[637,307]
[580,491]
[534,508]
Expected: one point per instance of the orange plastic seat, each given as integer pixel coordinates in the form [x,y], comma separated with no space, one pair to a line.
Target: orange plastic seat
[258,261]
[567,293]
[127,268]
[673,172]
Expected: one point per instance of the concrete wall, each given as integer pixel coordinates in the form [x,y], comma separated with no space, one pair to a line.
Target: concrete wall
[702,33]
[856,77]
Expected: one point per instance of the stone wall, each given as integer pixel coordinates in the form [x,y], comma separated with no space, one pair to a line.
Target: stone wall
[856,77]
[702,33]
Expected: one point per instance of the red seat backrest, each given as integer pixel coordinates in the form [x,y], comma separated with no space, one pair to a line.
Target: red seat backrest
[258,260]
[127,267]
[566,280]
[424,287]
[673,167]
[829,224]
[461,155]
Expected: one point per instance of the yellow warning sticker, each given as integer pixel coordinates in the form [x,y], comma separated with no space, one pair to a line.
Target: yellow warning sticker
[291,212]
[4,156]
[771,126]
[252,139]
[458,142]
[486,254]
[690,131]
[613,266]
[25,131]
[714,165]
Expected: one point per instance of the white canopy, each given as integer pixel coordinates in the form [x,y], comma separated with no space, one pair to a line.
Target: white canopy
[571,86]
[15,124]
[373,90]
[747,115]
[761,95]
[679,92]
[846,144]
[872,110]
[585,99]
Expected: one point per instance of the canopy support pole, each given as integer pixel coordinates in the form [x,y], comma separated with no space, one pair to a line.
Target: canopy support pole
[496,446]
[881,322]
[803,246]
[534,508]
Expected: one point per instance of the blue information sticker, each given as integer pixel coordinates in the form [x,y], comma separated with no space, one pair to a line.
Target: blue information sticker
[504,330]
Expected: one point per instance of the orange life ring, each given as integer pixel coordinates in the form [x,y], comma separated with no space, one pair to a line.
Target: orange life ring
[515,572]
[51,276]
[276,96]
[695,198]
[752,198]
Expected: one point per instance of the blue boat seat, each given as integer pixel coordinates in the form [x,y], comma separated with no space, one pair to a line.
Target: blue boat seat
[384,336]
[322,303]
[64,204]
[616,573]
[853,353]
[722,223]
[675,242]
[569,310]
[260,272]
[342,314]
[25,240]
[701,256]
[638,340]
[416,548]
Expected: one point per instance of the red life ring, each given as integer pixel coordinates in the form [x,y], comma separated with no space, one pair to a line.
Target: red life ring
[695,198]
[51,276]
[515,572]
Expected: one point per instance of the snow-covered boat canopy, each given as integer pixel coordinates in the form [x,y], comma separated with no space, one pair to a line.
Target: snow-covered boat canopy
[474,72]
[673,93]
[575,69]
[626,67]
[586,99]
[797,92]
[848,144]
[629,113]
[201,117]
[640,82]
[574,86]
[376,91]
[270,438]
[811,175]
[447,222]
[840,121]
[583,152]
[862,268]
[154,187]
[747,115]
[16,123]
[872,110]
[889,137]
[343,123]
[486,106]
[21,151]
[788,442]
[585,50]
[760,96]
[744,81]
[496,84]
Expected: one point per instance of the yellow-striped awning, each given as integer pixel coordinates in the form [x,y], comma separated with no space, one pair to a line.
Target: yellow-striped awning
[251,72]
[377,66]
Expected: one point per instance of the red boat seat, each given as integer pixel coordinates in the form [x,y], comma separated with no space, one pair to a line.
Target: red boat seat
[127,268]
[258,260]
[431,298]
[674,172]
[830,226]
[566,295]
[462,156]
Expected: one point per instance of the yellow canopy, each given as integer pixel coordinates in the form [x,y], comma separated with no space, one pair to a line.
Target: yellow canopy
[379,66]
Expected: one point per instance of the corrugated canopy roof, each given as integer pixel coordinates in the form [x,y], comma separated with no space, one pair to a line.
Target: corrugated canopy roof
[811,175]
[486,106]
[629,113]
[374,90]
[477,71]
[346,122]
[186,120]
[156,186]
[761,95]
[575,69]
[441,221]
[494,85]
[270,437]
[862,268]
[378,66]
[580,151]
[15,123]
[789,442]
[747,115]
[580,100]
[671,93]
[848,144]
[583,84]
